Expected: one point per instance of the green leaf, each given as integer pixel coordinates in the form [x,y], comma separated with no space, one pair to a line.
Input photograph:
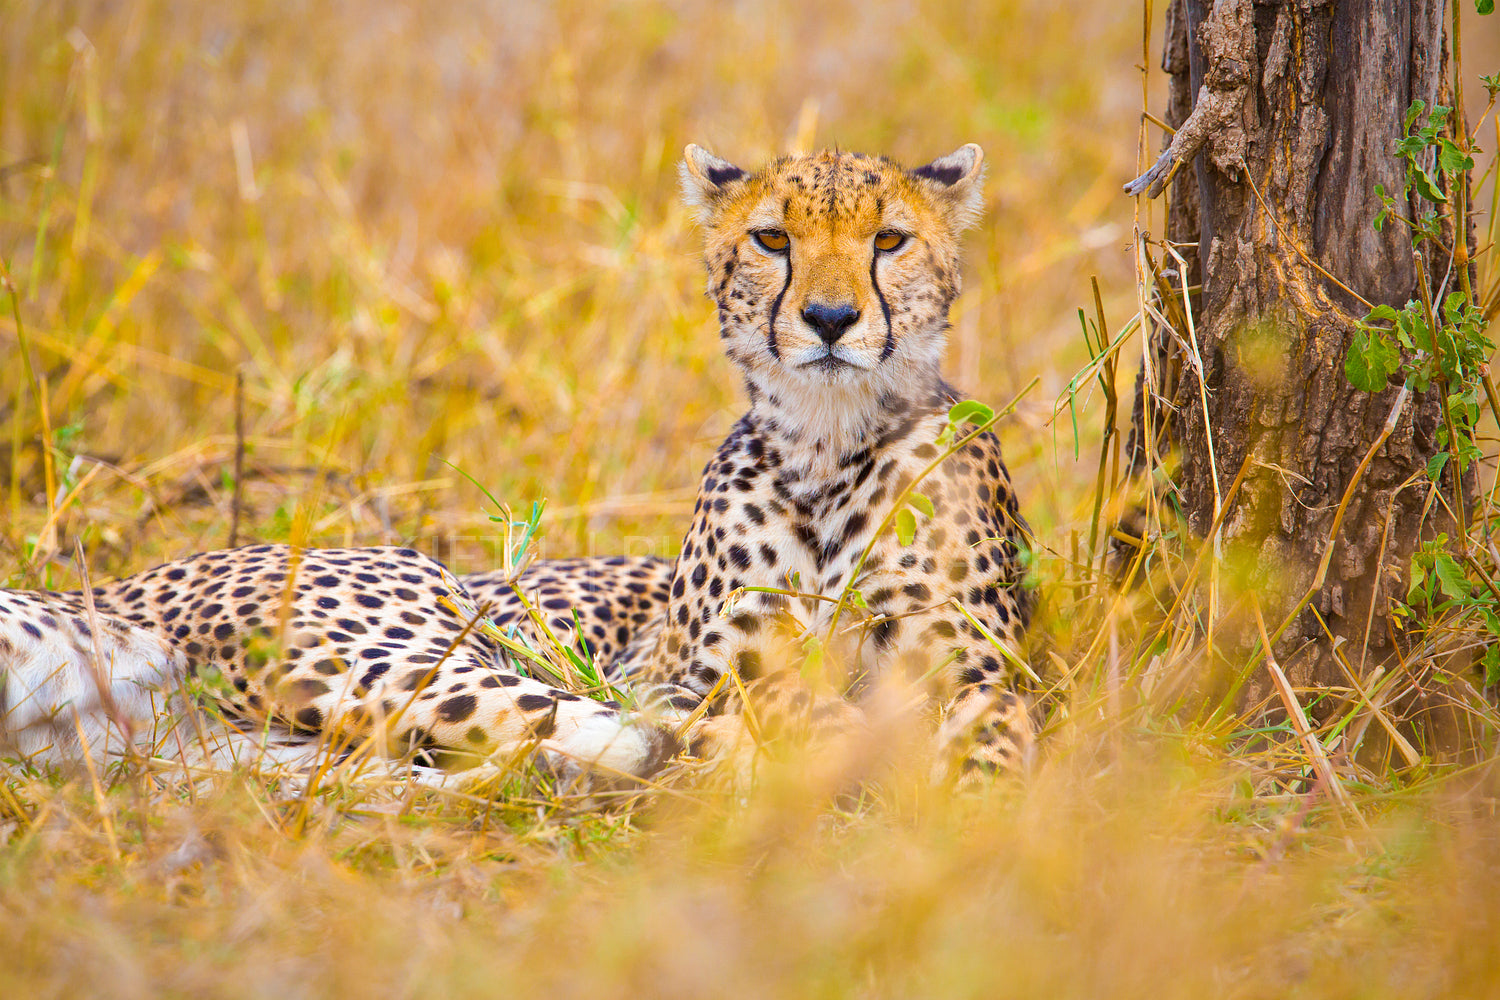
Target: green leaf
[1436,464]
[1417,590]
[812,659]
[905,525]
[578,662]
[1371,360]
[1087,340]
[1452,159]
[1413,325]
[1412,112]
[920,502]
[1451,577]
[1383,312]
[1453,306]
[1491,662]
[1426,186]
[1485,6]
[537,507]
[1419,377]
[971,410]
[1435,122]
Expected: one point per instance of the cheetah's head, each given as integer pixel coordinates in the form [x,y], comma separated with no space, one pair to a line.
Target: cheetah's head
[833,272]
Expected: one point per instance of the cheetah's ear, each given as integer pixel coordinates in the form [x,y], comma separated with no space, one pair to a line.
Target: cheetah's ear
[958,180]
[704,178]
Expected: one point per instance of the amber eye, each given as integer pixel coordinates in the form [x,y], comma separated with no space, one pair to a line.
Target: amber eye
[773,240]
[888,240]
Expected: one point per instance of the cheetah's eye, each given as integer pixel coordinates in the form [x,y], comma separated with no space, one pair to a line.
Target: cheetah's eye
[888,240]
[772,240]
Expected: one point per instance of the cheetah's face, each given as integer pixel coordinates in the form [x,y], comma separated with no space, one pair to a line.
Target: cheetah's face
[835,269]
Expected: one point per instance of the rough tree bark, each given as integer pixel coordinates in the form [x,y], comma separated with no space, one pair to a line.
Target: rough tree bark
[1293,108]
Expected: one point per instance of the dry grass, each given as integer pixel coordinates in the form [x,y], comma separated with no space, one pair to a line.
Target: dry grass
[448,233]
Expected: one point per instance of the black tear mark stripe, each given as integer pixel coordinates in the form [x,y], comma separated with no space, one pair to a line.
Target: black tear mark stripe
[885,309]
[776,308]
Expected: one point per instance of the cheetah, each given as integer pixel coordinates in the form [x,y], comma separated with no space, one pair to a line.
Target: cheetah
[833,275]
[329,647]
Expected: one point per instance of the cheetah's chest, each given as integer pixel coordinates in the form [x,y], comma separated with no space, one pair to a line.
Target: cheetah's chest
[818,537]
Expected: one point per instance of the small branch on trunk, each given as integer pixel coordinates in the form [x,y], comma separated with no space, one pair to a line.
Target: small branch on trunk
[1228,39]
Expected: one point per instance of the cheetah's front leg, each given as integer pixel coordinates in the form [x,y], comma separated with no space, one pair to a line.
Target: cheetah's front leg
[986,727]
[768,715]
[986,730]
[493,713]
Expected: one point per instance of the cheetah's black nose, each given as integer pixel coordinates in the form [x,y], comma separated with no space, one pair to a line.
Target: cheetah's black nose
[830,321]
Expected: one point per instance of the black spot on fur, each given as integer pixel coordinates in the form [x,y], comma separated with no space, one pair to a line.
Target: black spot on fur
[458,708]
[306,688]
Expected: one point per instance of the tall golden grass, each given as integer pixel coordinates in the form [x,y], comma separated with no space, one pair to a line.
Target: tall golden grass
[361,244]
[450,233]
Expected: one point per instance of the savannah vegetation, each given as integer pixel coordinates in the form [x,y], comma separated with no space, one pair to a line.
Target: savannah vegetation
[340,273]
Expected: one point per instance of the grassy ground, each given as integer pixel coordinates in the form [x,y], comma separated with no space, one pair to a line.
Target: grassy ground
[402,238]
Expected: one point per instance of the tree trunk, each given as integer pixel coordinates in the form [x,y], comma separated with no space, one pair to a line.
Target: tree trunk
[1299,105]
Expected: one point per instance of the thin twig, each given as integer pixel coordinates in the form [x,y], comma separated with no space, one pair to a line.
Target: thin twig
[101,676]
[239,458]
[1315,752]
[1111,402]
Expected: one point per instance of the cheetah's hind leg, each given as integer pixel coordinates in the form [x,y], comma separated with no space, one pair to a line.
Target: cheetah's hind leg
[64,682]
[71,681]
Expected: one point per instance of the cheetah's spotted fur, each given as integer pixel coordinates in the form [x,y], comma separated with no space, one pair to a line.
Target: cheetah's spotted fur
[341,643]
[833,275]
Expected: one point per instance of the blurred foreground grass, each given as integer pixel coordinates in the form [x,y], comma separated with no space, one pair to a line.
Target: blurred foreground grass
[1159,876]
[441,233]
